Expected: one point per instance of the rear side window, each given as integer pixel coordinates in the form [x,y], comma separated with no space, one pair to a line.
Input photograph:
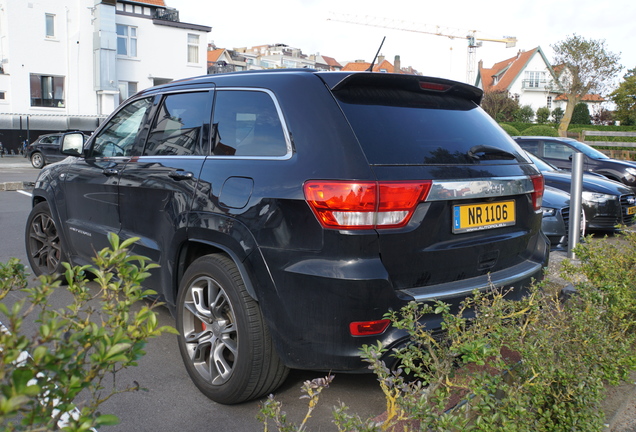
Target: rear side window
[408,128]
[178,127]
[121,133]
[247,123]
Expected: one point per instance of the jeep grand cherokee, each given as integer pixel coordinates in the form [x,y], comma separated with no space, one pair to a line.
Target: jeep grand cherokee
[289,210]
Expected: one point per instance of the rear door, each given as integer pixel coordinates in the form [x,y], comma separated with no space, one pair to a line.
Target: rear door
[156,187]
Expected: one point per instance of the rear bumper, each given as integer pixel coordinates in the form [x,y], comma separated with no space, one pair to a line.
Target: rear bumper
[311,307]
[514,277]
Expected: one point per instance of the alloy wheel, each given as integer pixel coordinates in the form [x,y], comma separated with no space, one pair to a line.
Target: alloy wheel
[209,330]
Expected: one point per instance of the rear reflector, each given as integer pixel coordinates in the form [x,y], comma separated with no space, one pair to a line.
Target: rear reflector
[364,205]
[368,328]
[539,187]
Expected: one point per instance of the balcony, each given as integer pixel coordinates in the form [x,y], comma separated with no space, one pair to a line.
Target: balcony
[166,15]
[535,85]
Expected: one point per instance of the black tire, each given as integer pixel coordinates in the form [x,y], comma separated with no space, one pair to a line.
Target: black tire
[224,341]
[43,242]
[37,160]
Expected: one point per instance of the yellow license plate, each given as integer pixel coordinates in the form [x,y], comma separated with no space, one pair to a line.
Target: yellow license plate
[631,210]
[475,217]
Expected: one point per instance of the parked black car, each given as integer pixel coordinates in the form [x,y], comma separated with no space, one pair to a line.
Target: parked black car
[45,150]
[290,210]
[607,203]
[558,152]
[556,217]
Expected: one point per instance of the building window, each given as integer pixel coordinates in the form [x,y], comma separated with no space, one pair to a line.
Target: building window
[193,48]
[126,40]
[549,102]
[50,25]
[126,89]
[2,95]
[47,91]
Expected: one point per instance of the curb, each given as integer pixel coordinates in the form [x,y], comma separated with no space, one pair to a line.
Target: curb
[618,400]
[14,186]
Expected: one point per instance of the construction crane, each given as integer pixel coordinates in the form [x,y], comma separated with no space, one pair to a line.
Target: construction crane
[449,32]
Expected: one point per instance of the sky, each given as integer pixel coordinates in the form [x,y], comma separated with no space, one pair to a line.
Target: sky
[304,24]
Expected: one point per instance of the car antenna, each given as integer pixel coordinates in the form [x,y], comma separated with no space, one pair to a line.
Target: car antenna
[376,56]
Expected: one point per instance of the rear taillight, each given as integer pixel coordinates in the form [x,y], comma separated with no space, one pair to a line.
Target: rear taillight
[364,205]
[537,196]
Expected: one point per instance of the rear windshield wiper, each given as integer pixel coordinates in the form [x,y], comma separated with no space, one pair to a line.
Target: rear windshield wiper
[484,152]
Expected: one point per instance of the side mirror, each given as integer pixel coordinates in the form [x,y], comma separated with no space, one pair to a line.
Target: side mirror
[72,144]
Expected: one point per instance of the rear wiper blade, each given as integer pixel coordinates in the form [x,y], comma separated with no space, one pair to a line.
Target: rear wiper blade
[484,152]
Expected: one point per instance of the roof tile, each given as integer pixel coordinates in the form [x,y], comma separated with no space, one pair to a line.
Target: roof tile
[153,2]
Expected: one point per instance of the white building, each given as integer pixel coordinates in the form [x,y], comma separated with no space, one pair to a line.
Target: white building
[529,78]
[66,64]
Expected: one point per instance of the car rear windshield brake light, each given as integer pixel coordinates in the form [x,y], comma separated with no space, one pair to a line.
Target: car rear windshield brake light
[365,205]
[537,196]
[424,85]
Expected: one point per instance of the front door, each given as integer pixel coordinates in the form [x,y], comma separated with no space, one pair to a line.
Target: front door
[91,184]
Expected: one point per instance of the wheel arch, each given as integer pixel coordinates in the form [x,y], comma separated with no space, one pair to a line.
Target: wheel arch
[610,174]
[196,248]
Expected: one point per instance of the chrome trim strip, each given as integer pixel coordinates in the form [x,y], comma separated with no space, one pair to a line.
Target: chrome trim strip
[480,188]
[462,288]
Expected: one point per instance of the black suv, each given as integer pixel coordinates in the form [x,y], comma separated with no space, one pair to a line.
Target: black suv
[289,210]
[559,151]
[45,150]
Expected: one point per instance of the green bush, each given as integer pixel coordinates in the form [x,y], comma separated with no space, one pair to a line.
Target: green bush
[77,348]
[540,130]
[537,364]
[581,114]
[557,115]
[524,114]
[520,126]
[510,130]
[543,114]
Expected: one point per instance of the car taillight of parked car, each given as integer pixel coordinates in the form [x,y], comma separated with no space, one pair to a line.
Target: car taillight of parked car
[539,187]
[365,205]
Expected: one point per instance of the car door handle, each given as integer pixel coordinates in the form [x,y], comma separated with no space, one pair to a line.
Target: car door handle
[109,172]
[180,175]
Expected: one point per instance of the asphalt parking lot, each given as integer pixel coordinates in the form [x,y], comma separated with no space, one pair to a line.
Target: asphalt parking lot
[172,402]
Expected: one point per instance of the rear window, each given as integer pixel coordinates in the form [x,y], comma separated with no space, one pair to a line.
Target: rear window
[399,127]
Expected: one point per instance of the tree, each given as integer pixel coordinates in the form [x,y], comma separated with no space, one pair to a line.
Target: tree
[543,114]
[625,99]
[586,67]
[499,105]
[581,114]
[603,117]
